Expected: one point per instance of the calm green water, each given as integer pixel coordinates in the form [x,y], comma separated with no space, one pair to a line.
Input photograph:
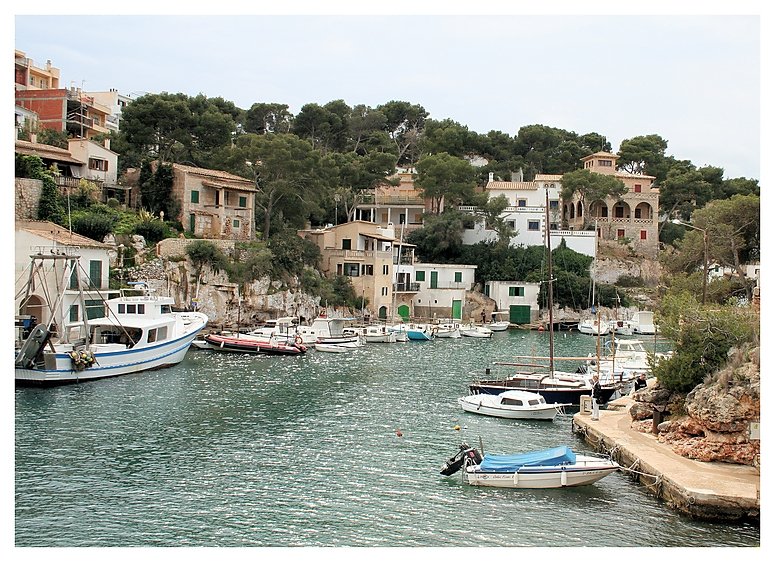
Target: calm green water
[238,450]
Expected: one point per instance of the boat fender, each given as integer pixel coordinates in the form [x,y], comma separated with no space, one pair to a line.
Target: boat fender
[480,405]
[564,477]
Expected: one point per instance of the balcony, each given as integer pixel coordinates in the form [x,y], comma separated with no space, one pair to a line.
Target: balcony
[406,287]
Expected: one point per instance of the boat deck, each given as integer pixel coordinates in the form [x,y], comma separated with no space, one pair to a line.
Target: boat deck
[705,490]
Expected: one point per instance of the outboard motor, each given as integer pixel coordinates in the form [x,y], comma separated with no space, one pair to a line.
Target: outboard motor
[466,454]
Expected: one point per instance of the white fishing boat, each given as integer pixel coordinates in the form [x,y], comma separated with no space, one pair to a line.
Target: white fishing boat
[325,329]
[447,330]
[474,331]
[334,347]
[502,323]
[642,322]
[379,334]
[512,404]
[593,327]
[558,467]
[138,331]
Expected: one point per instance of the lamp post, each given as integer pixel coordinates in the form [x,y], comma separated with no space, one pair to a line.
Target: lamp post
[705,255]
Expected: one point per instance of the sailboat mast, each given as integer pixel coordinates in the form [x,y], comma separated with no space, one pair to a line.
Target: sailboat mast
[551,292]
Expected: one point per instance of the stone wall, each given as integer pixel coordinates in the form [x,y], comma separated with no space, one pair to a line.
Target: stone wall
[27,198]
[174,247]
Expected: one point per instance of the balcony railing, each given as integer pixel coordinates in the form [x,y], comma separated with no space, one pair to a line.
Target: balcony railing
[406,287]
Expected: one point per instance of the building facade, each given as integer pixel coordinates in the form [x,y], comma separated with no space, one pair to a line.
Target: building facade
[363,252]
[402,205]
[520,299]
[67,110]
[632,218]
[214,204]
[441,291]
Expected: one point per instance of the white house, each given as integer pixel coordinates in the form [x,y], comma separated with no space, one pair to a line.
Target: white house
[100,163]
[519,298]
[47,238]
[526,214]
[441,289]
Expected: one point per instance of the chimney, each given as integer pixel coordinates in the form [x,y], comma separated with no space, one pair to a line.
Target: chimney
[106,142]
[492,176]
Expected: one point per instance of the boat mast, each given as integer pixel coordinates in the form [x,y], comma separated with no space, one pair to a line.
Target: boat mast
[398,269]
[550,290]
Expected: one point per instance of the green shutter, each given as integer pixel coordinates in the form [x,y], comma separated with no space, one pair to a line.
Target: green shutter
[419,276]
[243,201]
[434,279]
[95,274]
[458,277]
[194,196]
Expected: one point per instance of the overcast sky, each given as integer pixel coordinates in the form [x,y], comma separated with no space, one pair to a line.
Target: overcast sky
[694,80]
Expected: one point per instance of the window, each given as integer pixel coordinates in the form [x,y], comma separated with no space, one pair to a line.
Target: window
[226,198]
[384,291]
[74,278]
[458,277]
[98,164]
[637,213]
[95,274]
[194,197]
[367,269]
[511,402]
[191,222]
[532,225]
[554,204]
[351,269]
[642,234]
[620,233]
[521,202]
[152,335]
[605,163]
[243,202]
[636,188]
[419,276]
[74,313]
[235,223]
[512,224]
[516,291]
[347,244]
[385,270]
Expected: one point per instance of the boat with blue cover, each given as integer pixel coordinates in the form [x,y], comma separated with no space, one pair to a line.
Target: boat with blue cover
[557,467]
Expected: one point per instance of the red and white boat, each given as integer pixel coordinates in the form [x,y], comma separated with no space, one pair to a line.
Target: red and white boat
[246,343]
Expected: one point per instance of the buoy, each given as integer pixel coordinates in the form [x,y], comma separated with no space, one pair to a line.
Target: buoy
[457,428]
[398,433]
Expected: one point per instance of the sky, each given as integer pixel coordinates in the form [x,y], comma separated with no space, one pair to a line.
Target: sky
[692,79]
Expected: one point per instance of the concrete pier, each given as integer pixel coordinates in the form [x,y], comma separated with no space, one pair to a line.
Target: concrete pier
[705,490]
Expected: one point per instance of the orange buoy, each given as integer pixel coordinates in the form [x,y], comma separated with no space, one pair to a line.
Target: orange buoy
[398,433]
[457,428]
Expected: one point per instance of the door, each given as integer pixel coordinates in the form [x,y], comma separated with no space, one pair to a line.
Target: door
[519,314]
[457,310]
[434,279]
[403,312]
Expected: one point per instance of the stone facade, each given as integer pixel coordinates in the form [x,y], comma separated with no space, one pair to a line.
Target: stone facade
[27,198]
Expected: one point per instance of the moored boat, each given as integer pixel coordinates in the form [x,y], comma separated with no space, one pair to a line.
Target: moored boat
[558,467]
[138,331]
[512,404]
[246,343]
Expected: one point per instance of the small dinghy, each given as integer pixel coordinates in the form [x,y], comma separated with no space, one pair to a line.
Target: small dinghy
[558,467]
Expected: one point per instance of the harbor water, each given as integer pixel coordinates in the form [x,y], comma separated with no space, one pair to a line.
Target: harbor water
[241,450]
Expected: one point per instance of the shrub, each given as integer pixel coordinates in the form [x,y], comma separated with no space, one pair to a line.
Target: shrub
[202,252]
[94,225]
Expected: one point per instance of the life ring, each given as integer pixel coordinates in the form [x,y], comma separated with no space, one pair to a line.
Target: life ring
[298,339]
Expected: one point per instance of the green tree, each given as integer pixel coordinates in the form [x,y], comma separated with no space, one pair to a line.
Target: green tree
[591,187]
[405,123]
[264,118]
[367,130]
[491,209]
[444,177]
[441,237]
[643,155]
[448,136]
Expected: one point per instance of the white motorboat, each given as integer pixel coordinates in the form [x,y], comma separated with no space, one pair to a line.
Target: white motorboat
[137,332]
[447,330]
[512,404]
[334,347]
[558,467]
[325,329]
[500,325]
[593,327]
[642,322]
[379,334]
[474,331]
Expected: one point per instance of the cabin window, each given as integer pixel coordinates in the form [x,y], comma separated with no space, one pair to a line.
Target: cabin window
[157,334]
[511,402]
[458,277]
[419,276]
[131,309]
[532,225]
[166,309]
[121,308]
[152,335]
[194,196]
[533,402]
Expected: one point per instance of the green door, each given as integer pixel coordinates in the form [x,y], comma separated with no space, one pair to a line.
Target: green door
[519,314]
[457,310]
[403,312]
[434,279]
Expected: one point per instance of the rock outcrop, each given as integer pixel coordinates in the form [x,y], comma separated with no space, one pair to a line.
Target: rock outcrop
[712,422]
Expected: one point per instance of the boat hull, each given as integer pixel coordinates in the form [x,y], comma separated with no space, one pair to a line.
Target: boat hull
[583,473]
[473,405]
[111,361]
[551,395]
[252,345]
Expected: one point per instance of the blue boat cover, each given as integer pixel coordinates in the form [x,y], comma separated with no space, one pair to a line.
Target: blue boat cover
[512,463]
